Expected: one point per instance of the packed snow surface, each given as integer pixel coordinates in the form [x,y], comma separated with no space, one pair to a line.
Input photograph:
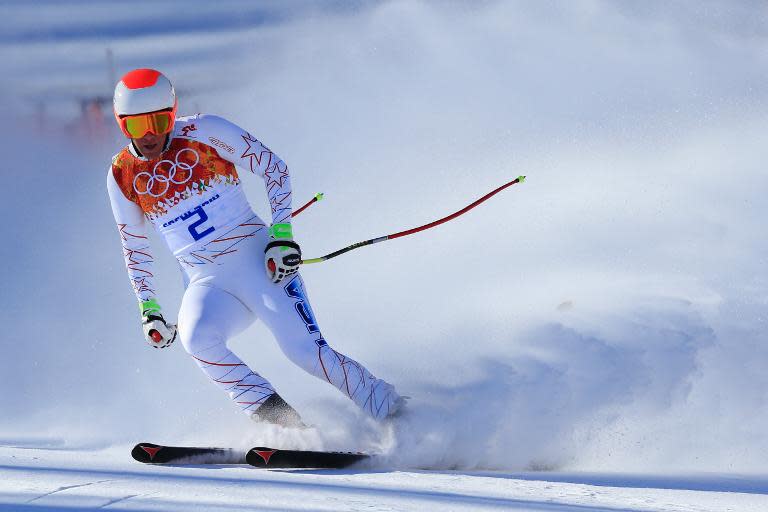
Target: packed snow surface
[60,480]
[593,339]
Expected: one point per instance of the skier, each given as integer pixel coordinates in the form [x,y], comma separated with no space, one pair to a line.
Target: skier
[183,175]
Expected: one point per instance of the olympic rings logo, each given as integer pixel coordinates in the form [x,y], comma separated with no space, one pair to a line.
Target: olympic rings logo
[165,178]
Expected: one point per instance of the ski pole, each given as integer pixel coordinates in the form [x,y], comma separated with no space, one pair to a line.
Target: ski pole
[407,232]
[315,199]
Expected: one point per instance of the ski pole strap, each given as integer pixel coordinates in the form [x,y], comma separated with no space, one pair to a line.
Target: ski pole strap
[412,231]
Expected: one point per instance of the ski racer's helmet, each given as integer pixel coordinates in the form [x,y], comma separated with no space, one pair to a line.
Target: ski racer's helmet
[143,91]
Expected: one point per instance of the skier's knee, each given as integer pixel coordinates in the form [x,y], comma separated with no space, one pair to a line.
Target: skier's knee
[304,355]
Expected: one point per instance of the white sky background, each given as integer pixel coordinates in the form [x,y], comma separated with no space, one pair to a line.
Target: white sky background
[607,313]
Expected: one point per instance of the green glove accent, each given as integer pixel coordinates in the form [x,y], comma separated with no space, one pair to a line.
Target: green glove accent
[278,231]
[149,306]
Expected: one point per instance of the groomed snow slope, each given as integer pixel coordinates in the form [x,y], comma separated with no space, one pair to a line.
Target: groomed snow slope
[605,318]
[62,480]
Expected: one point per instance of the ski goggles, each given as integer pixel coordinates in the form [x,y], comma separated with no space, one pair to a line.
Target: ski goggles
[137,126]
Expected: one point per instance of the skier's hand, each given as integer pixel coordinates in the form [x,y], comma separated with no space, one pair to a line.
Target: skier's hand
[157,332]
[282,256]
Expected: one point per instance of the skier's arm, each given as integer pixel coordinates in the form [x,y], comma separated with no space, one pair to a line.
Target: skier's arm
[282,256]
[138,262]
[245,151]
[133,236]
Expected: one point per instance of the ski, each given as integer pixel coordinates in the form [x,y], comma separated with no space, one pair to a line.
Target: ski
[262,457]
[149,453]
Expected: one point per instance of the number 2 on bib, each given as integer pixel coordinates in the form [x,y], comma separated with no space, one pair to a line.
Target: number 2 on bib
[193,228]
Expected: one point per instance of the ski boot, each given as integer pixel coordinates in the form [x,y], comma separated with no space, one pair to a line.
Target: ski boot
[399,408]
[275,410]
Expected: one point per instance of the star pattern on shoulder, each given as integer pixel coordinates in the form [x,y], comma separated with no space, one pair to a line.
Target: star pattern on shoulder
[255,152]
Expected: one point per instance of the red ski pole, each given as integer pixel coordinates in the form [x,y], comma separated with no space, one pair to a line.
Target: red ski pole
[315,199]
[399,234]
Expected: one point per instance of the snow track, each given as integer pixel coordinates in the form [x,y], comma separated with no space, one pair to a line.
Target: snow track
[62,480]
[608,316]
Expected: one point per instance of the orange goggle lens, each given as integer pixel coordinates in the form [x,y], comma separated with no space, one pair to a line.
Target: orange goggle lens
[138,126]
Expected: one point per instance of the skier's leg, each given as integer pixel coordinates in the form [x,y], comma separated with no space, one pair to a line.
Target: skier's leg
[208,318]
[286,310]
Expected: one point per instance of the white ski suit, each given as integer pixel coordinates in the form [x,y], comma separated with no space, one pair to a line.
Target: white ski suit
[193,197]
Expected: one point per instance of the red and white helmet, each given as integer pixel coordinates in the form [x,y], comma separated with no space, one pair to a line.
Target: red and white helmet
[144,90]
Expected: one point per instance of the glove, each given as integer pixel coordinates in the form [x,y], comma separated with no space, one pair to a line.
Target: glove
[157,332]
[282,256]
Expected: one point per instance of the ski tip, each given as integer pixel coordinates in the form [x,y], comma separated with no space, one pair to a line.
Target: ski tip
[260,456]
[319,196]
[149,453]
[145,452]
[520,179]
